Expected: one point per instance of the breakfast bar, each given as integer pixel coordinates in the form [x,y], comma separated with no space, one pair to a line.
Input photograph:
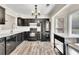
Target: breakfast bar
[62,41]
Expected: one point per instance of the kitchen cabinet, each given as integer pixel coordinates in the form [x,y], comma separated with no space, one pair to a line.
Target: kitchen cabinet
[45,30]
[13,41]
[24,22]
[31,20]
[9,43]
[2,15]
[2,46]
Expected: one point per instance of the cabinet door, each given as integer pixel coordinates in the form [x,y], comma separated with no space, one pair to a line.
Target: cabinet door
[10,44]
[2,15]
[26,22]
[19,22]
[2,46]
[22,22]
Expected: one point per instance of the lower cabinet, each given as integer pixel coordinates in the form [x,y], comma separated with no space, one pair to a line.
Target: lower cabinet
[9,43]
[45,36]
[13,41]
[2,46]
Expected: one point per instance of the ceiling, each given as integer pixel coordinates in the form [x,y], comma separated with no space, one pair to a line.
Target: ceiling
[26,9]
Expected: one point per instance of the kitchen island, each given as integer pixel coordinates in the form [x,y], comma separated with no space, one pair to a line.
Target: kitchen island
[61,42]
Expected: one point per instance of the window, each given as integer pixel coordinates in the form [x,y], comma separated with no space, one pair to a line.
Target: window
[74,22]
[59,25]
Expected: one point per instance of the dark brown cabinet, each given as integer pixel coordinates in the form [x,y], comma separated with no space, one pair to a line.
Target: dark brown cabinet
[24,21]
[45,30]
[2,15]
[13,41]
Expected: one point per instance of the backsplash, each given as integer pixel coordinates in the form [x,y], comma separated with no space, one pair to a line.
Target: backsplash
[9,23]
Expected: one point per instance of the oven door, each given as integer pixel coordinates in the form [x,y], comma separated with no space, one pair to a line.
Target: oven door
[32,36]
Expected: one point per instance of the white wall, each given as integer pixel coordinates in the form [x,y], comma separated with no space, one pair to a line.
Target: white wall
[53,23]
[30,16]
[10,17]
[65,12]
[52,30]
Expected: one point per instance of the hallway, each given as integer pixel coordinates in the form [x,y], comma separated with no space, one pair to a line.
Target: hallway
[34,48]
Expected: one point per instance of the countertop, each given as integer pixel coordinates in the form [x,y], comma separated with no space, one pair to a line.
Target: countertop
[74,46]
[5,33]
[68,36]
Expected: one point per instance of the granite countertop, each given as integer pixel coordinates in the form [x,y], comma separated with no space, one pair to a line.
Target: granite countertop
[5,33]
[68,36]
[74,46]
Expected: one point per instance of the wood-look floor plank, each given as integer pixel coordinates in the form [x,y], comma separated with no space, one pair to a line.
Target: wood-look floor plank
[34,48]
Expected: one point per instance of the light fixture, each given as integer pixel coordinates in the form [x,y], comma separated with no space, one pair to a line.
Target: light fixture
[36,12]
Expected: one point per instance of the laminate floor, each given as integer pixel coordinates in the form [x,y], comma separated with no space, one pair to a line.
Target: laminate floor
[34,48]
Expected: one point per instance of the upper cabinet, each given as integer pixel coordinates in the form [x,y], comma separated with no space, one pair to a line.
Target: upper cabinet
[22,22]
[27,22]
[2,15]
